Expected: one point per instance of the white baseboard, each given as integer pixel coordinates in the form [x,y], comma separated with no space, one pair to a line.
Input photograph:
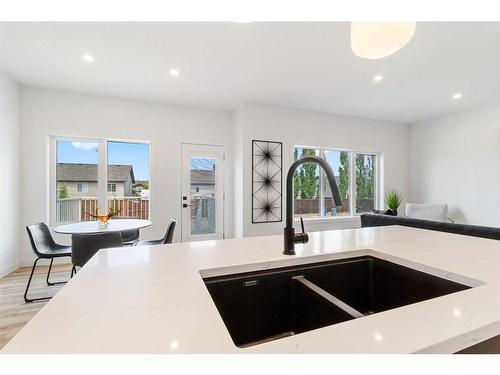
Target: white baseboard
[4,271]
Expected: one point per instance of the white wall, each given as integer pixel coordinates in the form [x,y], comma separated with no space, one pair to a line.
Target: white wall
[455,159]
[10,183]
[299,127]
[46,112]
[238,196]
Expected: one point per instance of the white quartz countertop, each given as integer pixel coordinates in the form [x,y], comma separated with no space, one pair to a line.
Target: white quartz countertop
[152,299]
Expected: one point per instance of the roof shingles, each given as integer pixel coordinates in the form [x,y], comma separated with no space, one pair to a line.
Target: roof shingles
[88,172]
[202,177]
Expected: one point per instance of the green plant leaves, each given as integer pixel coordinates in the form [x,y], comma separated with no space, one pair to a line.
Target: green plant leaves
[393,199]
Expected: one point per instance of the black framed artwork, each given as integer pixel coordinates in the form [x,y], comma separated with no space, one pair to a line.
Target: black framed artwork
[267,184]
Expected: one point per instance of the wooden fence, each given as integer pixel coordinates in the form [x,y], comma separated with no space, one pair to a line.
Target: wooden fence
[77,209]
[312,206]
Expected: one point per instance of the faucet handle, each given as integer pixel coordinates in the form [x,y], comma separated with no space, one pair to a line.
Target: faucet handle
[301,237]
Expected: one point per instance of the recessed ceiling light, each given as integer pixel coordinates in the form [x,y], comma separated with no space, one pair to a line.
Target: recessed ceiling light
[174,72]
[457,95]
[88,58]
[378,78]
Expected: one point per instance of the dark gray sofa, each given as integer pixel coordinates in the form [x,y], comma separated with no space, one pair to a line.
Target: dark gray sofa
[377,220]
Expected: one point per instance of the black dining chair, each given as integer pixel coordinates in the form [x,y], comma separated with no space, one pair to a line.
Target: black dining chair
[84,246]
[167,238]
[130,236]
[44,247]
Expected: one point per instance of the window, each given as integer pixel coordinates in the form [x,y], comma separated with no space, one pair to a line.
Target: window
[202,181]
[75,180]
[82,187]
[83,181]
[306,185]
[339,161]
[355,174]
[128,173]
[365,182]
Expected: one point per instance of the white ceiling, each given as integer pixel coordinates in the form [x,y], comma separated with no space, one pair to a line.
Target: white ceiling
[304,65]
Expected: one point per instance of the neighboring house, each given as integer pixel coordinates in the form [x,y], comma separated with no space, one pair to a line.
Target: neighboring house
[141,189]
[203,182]
[81,179]
[140,186]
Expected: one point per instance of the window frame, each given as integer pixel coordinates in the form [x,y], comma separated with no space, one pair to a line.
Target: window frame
[102,171]
[111,184]
[84,187]
[377,200]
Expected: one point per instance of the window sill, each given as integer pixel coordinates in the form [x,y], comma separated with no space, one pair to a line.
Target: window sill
[325,219]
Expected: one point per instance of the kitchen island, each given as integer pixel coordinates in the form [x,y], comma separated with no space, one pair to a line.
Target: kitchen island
[153,299]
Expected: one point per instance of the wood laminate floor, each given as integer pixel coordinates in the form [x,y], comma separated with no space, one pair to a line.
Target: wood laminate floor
[14,312]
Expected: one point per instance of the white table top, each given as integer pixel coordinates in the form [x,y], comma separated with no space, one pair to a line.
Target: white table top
[152,299]
[114,225]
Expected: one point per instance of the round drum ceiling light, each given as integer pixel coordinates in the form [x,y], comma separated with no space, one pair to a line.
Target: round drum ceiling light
[376,40]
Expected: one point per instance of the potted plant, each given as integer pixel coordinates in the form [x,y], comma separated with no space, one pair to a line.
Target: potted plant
[392,201]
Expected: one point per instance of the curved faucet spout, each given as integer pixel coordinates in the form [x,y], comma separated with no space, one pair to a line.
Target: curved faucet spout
[290,236]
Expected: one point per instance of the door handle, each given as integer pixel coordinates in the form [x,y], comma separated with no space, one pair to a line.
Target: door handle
[184,205]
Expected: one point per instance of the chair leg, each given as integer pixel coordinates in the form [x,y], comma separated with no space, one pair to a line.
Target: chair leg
[48,275]
[26,299]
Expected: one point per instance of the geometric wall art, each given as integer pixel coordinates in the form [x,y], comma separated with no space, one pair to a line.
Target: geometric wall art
[267,181]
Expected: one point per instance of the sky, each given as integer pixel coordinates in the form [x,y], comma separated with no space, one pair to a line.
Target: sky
[333,158]
[135,154]
[204,164]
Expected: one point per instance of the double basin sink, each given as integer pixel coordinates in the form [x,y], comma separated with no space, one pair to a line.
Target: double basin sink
[261,306]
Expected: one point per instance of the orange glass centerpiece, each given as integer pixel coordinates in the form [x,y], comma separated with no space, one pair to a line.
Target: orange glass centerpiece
[104,219]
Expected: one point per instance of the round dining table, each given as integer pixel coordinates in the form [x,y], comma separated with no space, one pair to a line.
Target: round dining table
[90,227]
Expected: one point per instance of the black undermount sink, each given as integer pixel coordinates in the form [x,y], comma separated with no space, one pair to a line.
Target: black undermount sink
[266,305]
